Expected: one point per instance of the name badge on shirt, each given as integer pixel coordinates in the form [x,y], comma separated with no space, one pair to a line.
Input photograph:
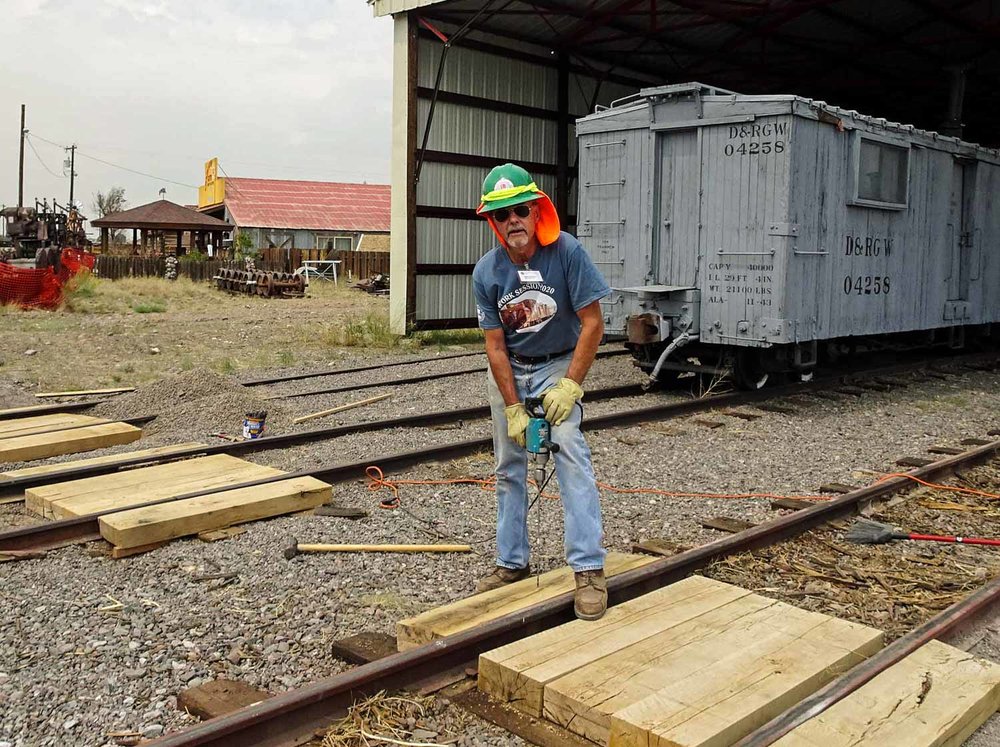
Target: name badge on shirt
[529,276]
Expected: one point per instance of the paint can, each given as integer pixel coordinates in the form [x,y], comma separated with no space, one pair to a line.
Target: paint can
[253,425]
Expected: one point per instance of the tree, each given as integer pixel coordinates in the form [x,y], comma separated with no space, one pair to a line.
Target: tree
[112,201]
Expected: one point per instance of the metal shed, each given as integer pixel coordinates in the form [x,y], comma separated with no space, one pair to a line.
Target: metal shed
[477,82]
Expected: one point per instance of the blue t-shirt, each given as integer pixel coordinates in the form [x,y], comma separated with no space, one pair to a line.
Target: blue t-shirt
[538,317]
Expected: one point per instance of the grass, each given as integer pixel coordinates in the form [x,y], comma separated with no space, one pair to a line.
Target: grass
[149,307]
[370,330]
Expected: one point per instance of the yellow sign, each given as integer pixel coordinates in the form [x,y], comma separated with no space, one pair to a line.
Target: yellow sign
[211,170]
[213,192]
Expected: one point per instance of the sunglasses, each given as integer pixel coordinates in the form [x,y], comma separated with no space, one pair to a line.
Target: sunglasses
[501,215]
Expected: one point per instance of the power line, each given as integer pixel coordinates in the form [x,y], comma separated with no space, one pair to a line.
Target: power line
[44,165]
[116,165]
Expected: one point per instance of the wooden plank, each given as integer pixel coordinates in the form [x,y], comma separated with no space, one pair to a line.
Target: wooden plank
[518,672]
[87,438]
[477,609]
[975,442]
[742,415]
[44,469]
[188,516]
[710,680]
[727,524]
[124,489]
[30,410]
[218,697]
[81,392]
[935,697]
[705,422]
[45,423]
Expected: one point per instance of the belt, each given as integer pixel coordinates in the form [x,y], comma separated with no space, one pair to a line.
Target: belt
[538,358]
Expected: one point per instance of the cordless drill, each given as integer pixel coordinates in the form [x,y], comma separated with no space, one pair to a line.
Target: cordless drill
[537,439]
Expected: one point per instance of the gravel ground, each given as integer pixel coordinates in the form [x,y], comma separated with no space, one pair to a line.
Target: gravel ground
[90,645]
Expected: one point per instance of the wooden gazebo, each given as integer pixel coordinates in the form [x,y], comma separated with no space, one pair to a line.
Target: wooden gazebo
[153,226]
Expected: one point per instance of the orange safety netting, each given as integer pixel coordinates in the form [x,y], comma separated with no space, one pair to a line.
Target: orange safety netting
[33,288]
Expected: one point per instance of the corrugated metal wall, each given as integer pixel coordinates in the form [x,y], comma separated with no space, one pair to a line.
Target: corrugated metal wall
[468,134]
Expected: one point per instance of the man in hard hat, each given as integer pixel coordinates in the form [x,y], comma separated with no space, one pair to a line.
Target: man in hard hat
[537,296]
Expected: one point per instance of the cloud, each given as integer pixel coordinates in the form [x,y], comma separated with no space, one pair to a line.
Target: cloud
[296,90]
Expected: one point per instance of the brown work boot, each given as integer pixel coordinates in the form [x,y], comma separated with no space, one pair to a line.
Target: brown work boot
[591,599]
[501,577]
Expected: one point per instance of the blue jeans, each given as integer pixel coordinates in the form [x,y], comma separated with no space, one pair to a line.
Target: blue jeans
[577,486]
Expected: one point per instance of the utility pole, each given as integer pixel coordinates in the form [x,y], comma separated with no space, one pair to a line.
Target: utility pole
[20,165]
[72,172]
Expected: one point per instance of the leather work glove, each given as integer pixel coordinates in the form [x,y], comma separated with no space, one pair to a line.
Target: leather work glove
[558,400]
[517,422]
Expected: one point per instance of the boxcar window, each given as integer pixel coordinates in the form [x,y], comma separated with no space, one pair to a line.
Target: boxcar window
[882,172]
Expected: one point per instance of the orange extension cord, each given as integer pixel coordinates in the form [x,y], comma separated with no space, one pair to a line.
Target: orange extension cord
[377,481]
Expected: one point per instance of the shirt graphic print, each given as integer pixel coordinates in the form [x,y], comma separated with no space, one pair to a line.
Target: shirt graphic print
[529,308]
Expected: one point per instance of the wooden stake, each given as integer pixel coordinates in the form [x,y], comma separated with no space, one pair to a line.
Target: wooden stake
[341,408]
[86,391]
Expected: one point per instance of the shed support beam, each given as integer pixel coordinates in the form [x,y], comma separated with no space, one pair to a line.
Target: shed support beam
[403,222]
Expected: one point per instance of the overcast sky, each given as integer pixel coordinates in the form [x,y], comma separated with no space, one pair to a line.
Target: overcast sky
[286,90]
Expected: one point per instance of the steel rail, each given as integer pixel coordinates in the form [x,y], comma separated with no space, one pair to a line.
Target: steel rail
[411,379]
[289,439]
[946,624]
[376,384]
[294,716]
[84,528]
[30,411]
[355,369]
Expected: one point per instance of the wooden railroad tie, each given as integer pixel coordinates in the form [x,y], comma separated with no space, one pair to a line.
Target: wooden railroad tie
[837,487]
[727,524]
[945,450]
[793,504]
[659,546]
[712,424]
[854,391]
[742,415]
[975,442]
[911,461]
[772,407]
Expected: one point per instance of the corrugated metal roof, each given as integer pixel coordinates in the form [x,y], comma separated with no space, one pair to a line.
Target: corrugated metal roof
[388,7]
[318,206]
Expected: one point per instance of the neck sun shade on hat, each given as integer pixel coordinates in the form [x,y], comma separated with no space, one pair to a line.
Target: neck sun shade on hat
[508,185]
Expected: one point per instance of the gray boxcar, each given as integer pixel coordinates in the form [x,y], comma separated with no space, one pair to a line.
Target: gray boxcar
[757,233]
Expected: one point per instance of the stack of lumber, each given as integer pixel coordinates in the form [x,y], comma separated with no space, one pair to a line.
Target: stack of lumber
[938,695]
[481,608]
[125,524]
[156,453]
[41,436]
[699,662]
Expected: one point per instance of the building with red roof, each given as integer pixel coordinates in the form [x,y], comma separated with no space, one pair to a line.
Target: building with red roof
[294,214]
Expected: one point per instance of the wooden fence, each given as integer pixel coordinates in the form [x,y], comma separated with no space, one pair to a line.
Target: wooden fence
[356,265]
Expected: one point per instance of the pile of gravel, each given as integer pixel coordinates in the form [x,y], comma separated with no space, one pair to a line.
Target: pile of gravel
[195,403]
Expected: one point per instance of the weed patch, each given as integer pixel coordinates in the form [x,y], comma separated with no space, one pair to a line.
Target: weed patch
[149,307]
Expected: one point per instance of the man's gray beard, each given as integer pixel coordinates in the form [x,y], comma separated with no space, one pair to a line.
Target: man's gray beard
[518,241]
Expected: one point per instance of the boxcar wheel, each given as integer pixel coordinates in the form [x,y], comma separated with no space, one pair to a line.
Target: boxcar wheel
[749,370]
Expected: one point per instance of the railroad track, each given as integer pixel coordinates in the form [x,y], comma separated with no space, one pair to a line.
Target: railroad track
[295,716]
[85,528]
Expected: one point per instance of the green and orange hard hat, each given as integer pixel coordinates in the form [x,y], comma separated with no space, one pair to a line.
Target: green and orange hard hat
[508,185]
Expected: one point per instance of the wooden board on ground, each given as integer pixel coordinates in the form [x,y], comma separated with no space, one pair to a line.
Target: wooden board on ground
[218,697]
[699,662]
[479,608]
[936,696]
[75,440]
[58,421]
[9,495]
[181,518]
[364,647]
[533,730]
[132,487]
